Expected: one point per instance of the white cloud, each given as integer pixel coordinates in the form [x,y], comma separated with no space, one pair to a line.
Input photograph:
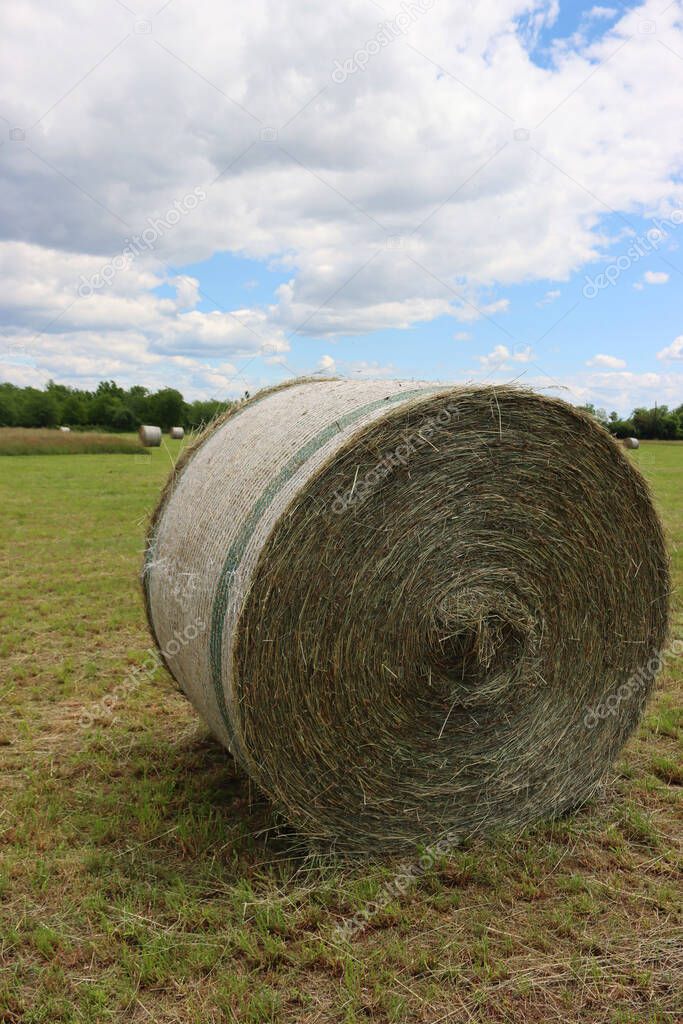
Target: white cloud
[327,363]
[467,311]
[187,292]
[462,336]
[524,355]
[496,358]
[499,306]
[655,277]
[610,389]
[191,104]
[372,370]
[127,331]
[549,297]
[625,391]
[602,12]
[502,355]
[674,350]
[604,360]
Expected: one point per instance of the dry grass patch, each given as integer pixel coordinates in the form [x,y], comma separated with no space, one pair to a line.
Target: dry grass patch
[28,441]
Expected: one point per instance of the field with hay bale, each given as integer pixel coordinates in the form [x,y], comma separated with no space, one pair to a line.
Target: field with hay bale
[143,878]
[395,563]
[37,441]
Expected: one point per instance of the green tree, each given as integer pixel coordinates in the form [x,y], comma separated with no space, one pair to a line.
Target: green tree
[137,400]
[123,419]
[110,407]
[110,388]
[622,428]
[657,424]
[199,413]
[73,412]
[599,414]
[9,400]
[104,409]
[38,409]
[167,408]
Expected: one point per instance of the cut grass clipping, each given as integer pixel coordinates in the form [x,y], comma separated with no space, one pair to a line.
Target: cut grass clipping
[411,612]
[25,441]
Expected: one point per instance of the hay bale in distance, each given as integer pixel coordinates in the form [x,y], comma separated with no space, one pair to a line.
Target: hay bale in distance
[65,430]
[150,436]
[177,433]
[414,609]
[631,442]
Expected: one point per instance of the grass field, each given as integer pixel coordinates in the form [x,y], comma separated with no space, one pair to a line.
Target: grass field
[26,441]
[142,879]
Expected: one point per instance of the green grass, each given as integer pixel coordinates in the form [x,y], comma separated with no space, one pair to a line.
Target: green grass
[143,879]
[25,441]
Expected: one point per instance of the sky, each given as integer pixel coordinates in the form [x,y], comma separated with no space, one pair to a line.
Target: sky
[216,197]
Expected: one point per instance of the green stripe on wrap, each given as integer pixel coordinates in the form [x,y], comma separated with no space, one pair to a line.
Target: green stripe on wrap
[237,549]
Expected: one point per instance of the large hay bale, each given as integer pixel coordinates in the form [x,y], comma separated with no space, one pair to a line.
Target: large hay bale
[631,442]
[150,436]
[405,608]
[177,433]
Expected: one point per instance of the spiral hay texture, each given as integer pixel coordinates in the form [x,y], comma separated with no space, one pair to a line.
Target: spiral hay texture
[150,436]
[404,607]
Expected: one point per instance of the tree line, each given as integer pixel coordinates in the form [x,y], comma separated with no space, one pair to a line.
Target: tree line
[110,407]
[657,424]
[113,408]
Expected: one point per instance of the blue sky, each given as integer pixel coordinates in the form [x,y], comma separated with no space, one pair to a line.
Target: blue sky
[414,189]
[566,324]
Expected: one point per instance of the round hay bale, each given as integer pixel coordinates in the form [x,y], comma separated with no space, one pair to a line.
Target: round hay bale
[150,437]
[631,442]
[65,430]
[177,433]
[410,611]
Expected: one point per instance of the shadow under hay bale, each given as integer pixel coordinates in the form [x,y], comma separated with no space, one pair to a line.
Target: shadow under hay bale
[411,606]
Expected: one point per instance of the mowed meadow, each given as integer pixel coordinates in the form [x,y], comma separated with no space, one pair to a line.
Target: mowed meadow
[142,879]
[31,441]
